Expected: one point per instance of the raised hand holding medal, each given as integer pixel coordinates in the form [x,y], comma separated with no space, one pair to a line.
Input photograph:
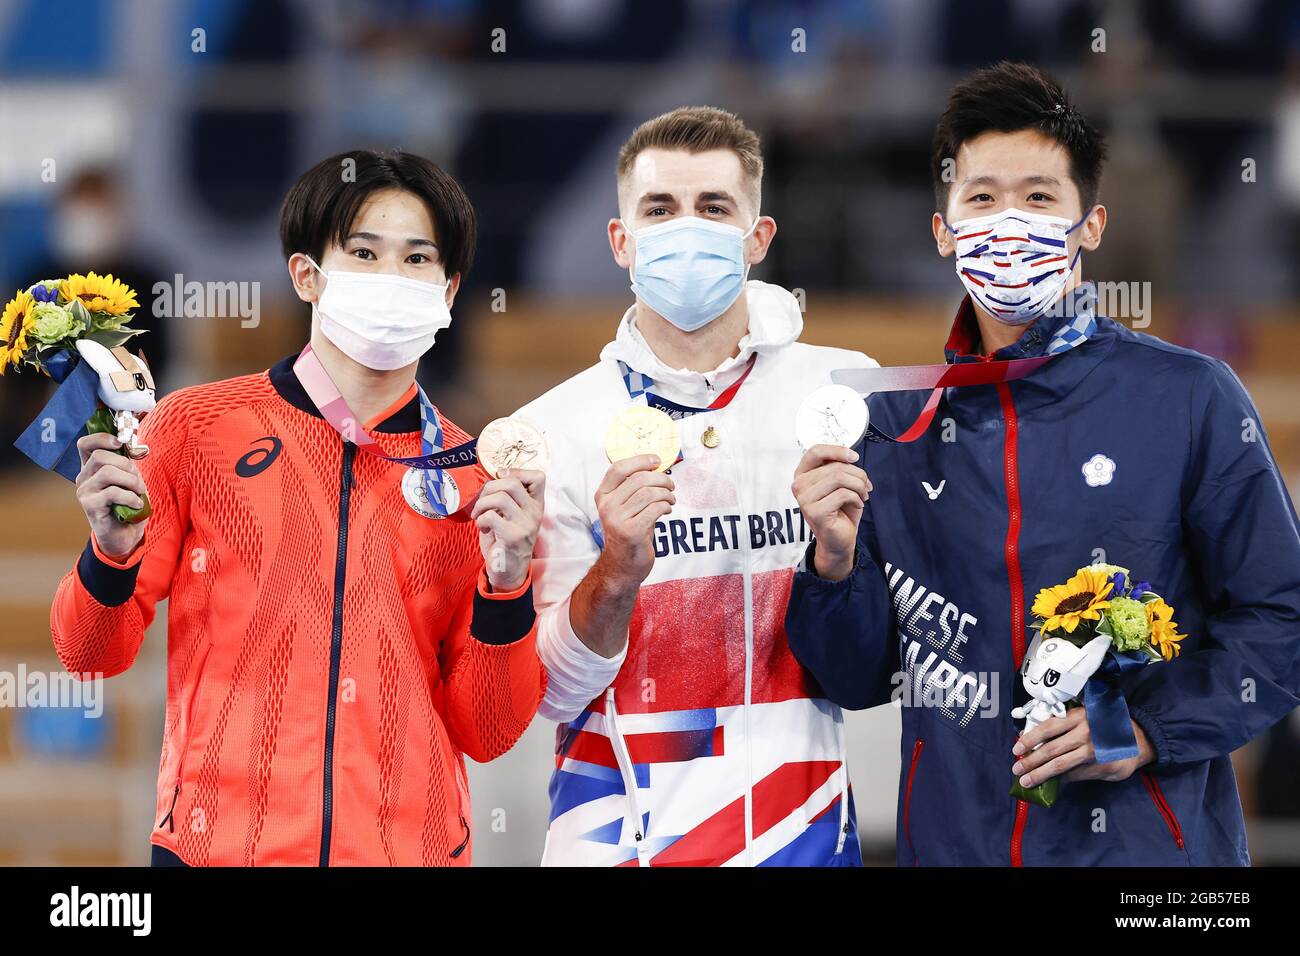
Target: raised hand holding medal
[515,455]
[641,444]
[831,490]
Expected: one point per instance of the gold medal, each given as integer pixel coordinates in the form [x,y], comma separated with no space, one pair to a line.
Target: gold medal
[711,438]
[641,430]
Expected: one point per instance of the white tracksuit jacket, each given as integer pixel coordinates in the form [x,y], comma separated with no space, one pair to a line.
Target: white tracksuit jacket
[705,743]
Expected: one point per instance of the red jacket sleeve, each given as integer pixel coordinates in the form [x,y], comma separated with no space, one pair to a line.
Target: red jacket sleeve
[494,678]
[104,605]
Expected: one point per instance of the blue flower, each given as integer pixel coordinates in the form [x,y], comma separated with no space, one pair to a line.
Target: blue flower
[1141,588]
[1119,579]
[43,293]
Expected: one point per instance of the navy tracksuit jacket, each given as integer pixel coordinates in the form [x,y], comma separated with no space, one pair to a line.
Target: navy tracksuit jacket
[943,586]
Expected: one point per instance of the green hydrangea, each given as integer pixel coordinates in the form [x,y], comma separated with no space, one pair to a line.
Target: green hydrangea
[1110,570]
[1128,624]
[52,324]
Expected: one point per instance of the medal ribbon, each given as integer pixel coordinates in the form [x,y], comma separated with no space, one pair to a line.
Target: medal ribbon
[638,384]
[906,378]
[461,461]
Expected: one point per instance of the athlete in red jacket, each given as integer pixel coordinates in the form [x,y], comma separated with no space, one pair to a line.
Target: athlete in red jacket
[334,647]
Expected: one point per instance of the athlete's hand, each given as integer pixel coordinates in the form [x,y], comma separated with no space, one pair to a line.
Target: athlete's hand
[1067,749]
[108,479]
[832,491]
[508,514]
[630,499]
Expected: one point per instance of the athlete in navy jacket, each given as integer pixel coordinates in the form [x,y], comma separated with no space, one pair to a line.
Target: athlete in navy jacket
[1121,449]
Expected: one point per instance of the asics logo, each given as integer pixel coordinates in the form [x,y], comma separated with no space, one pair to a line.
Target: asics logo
[259,459]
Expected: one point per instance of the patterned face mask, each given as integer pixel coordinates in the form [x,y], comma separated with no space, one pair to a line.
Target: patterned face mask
[1014,264]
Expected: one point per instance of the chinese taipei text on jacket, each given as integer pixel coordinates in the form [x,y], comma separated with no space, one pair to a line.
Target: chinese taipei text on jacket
[711,745]
[1190,499]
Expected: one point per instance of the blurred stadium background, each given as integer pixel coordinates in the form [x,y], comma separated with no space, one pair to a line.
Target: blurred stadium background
[174,160]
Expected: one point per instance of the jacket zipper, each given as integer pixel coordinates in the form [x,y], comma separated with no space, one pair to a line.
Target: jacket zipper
[907,799]
[844,784]
[628,771]
[463,843]
[747,576]
[1162,805]
[336,649]
[1014,579]
[170,818]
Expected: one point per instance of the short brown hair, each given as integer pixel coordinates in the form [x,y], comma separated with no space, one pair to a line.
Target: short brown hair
[697,129]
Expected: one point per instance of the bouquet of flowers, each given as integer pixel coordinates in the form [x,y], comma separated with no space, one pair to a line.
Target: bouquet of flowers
[74,330]
[1091,629]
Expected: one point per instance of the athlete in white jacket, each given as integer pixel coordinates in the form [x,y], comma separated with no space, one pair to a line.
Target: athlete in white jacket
[689,734]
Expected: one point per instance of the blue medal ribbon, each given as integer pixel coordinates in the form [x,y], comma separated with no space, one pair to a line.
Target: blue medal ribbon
[1109,722]
[64,416]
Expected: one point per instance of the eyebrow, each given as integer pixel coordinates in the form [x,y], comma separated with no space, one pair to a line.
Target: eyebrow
[1038,179]
[670,199]
[375,237]
[657,198]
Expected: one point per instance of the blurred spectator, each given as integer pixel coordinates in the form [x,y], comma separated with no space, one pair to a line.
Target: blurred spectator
[89,229]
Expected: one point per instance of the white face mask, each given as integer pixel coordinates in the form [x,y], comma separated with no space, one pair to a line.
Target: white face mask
[380,320]
[86,230]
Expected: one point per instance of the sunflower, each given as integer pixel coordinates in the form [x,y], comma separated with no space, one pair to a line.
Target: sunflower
[99,293]
[1082,598]
[14,322]
[1164,630]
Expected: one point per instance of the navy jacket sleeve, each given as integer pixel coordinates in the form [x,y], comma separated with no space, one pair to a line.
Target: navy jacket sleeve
[1241,531]
[842,632]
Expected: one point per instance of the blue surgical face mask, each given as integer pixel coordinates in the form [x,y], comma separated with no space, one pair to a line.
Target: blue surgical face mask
[689,270]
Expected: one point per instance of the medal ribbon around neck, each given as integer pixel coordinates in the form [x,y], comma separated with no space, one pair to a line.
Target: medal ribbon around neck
[639,385]
[461,461]
[938,378]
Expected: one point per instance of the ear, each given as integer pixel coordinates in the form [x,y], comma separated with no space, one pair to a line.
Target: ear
[1033,648]
[621,243]
[756,245]
[98,356]
[1092,228]
[453,286]
[943,238]
[1093,653]
[308,283]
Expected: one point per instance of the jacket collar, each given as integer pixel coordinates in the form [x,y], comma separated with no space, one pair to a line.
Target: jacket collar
[1050,384]
[287,386]
[964,338]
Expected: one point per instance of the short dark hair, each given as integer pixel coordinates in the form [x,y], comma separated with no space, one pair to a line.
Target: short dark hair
[323,204]
[1009,97]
